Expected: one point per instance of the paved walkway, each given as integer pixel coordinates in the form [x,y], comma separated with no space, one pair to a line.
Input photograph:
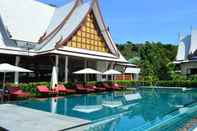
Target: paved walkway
[16,118]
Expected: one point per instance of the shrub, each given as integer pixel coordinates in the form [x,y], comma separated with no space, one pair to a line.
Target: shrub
[31,87]
[69,85]
[192,77]
[179,83]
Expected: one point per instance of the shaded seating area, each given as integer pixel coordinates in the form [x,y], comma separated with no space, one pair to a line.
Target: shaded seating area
[55,89]
[16,92]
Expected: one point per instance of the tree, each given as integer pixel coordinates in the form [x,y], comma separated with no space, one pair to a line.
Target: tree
[153,58]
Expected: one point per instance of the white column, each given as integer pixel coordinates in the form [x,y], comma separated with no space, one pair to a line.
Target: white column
[16,74]
[85,66]
[106,68]
[57,65]
[98,78]
[66,69]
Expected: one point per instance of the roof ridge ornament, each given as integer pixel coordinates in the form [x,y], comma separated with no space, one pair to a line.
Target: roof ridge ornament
[58,45]
[42,37]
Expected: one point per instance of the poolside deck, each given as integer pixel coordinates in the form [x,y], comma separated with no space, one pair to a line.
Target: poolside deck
[16,118]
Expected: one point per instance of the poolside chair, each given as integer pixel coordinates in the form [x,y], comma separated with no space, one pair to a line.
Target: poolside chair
[16,92]
[63,89]
[45,91]
[90,88]
[96,88]
[107,87]
[81,89]
[116,85]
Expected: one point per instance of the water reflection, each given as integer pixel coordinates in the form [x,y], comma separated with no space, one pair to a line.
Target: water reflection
[87,108]
[141,107]
[53,105]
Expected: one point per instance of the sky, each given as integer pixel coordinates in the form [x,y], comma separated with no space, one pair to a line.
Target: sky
[146,20]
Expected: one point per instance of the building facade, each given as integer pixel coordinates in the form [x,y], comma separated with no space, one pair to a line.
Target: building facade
[186,59]
[38,36]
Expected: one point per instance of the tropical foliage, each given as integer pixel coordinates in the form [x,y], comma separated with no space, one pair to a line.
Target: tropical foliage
[154,58]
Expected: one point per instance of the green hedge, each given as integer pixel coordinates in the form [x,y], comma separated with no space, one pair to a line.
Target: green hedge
[31,87]
[183,83]
[127,82]
[186,83]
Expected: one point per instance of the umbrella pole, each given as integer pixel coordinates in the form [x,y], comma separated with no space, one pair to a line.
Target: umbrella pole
[85,78]
[4,82]
[4,74]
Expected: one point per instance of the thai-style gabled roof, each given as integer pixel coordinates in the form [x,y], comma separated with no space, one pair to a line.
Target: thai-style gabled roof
[73,22]
[51,27]
[2,43]
[4,36]
[67,28]
[193,44]
[59,16]
[187,46]
[26,20]
[183,48]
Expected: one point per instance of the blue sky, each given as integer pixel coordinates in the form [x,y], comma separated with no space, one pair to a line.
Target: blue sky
[146,20]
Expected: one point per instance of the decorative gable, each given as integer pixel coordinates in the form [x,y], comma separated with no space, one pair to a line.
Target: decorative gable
[89,36]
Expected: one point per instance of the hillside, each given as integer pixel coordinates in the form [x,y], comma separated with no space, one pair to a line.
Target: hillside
[153,58]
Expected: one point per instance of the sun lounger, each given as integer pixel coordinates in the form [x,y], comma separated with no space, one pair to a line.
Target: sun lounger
[45,91]
[80,88]
[17,92]
[111,87]
[107,86]
[63,89]
[90,88]
[115,85]
[99,89]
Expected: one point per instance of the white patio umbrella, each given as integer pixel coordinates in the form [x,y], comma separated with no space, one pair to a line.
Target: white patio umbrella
[87,71]
[5,68]
[54,78]
[112,72]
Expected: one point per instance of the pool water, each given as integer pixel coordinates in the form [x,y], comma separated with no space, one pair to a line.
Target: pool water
[143,109]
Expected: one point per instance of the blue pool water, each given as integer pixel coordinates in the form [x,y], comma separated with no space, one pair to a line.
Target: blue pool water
[143,109]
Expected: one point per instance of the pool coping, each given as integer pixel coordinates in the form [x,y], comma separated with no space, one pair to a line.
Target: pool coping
[19,118]
[163,87]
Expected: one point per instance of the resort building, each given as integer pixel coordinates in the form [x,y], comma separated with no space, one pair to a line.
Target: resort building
[38,36]
[186,59]
[130,72]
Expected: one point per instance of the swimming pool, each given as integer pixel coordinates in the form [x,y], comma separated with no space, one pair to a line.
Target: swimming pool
[143,109]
